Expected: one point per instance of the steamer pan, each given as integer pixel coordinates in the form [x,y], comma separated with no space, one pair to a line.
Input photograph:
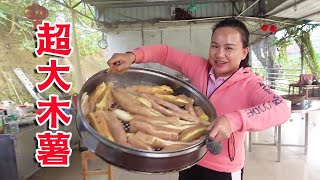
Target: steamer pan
[139,160]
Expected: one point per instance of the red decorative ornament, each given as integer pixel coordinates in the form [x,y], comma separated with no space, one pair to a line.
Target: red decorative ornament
[264,27]
[273,28]
[36,14]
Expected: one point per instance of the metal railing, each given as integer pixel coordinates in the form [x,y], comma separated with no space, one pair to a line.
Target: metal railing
[279,78]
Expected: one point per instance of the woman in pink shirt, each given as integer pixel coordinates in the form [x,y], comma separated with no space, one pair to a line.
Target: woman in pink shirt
[241,100]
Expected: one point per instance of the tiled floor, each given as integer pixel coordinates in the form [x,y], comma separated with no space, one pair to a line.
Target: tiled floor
[260,163]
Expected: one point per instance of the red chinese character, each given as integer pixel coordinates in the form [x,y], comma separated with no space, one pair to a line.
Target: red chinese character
[53,39]
[53,70]
[53,112]
[53,149]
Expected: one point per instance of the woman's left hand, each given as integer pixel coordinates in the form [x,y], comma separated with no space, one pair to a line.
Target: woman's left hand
[220,129]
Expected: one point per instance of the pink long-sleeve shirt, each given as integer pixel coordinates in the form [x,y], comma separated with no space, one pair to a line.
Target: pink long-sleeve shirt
[243,99]
[213,82]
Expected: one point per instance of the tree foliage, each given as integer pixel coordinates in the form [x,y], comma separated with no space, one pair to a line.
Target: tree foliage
[18,42]
[12,17]
[301,35]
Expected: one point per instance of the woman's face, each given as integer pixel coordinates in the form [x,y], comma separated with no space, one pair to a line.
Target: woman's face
[226,51]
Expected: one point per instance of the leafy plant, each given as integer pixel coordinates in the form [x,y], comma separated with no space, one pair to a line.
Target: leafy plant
[300,34]
[18,40]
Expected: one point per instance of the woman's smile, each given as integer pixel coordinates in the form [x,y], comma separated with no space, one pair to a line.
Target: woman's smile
[220,64]
[226,51]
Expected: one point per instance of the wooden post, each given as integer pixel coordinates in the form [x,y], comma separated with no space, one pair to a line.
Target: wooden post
[302,55]
[77,78]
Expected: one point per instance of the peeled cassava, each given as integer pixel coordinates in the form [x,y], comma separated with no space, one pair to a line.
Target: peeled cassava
[193,133]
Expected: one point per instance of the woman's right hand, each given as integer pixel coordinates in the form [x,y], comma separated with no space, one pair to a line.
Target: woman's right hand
[120,62]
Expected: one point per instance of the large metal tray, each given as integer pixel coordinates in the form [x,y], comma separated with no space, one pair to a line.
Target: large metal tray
[140,160]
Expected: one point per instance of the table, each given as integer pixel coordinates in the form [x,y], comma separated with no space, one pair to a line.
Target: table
[304,108]
[306,87]
[17,151]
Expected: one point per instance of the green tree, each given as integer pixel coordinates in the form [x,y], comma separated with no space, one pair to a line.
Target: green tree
[12,17]
[18,31]
[300,34]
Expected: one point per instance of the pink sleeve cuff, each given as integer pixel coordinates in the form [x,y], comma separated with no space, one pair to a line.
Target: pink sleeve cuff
[139,55]
[234,119]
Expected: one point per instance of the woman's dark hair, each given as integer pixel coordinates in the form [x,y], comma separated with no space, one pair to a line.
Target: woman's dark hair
[232,22]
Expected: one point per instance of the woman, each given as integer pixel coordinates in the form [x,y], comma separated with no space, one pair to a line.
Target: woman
[241,100]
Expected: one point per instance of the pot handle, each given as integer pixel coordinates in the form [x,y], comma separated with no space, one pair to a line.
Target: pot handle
[111,70]
[213,147]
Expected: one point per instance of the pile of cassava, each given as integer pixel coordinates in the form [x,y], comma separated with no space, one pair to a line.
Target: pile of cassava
[156,119]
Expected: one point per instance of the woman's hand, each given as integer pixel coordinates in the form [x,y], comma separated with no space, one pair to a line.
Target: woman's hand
[120,62]
[220,129]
